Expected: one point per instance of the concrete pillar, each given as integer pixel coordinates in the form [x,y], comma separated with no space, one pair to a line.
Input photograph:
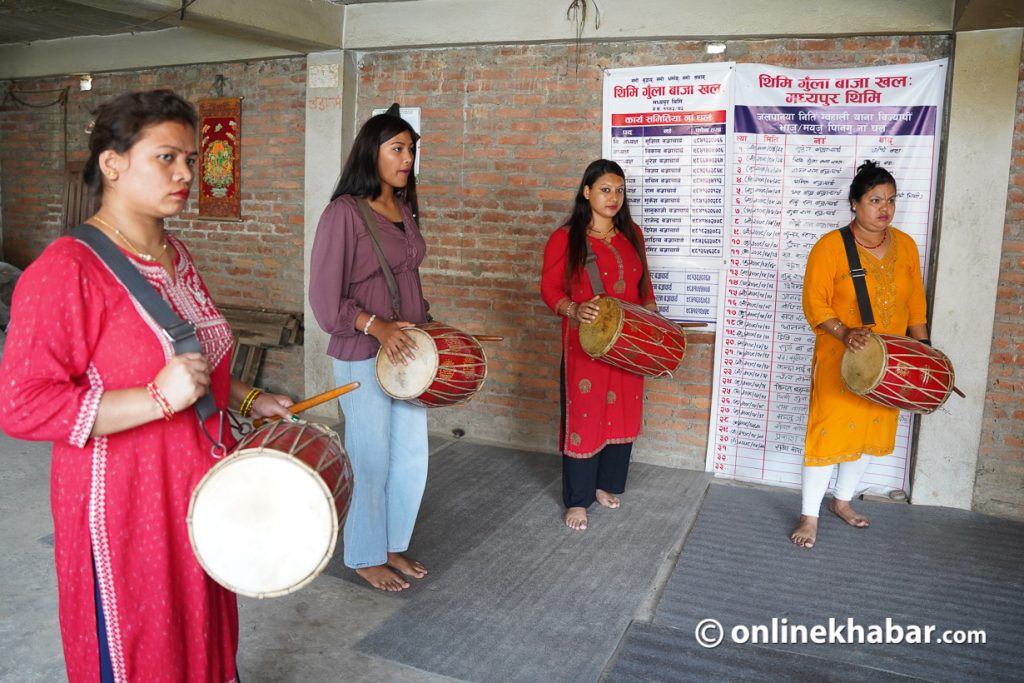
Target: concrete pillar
[978,148]
[329,132]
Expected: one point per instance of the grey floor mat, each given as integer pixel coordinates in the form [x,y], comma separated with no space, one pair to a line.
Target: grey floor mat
[515,596]
[917,566]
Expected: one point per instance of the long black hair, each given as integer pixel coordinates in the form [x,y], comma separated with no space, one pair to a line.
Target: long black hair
[117,125]
[581,219]
[869,174]
[360,177]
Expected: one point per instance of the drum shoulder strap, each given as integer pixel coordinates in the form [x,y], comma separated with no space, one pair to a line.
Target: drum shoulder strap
[371,227]
[181,333]
[592,271]
[858,275]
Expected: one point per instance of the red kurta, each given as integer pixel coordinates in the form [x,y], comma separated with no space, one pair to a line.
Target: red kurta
[603,404]
[119,501]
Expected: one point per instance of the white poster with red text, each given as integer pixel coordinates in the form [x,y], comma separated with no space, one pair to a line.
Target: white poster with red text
[670,128]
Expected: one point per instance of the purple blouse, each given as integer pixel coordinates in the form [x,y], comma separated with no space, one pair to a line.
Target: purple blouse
[345,276]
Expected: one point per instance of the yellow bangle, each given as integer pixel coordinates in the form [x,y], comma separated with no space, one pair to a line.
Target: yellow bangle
[246,408]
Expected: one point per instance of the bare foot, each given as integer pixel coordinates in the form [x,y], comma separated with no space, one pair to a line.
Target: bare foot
[382,578]
[806,532]
[576,518]
[842,510]
[406,565]
[608,500]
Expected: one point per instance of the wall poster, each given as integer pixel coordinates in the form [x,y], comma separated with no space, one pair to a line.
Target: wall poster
[794,139]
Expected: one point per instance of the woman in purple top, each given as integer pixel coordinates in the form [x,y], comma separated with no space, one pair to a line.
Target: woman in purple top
[386,439]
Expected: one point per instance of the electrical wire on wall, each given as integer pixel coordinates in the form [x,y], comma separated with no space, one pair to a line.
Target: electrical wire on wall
[60,100]
[577,14]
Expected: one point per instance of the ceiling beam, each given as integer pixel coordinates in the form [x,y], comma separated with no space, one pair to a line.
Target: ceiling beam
[296,25]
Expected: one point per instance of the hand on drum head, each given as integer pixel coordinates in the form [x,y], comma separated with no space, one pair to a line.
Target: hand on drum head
[183,380]
[588,311]
[856,338]
[271,405]
[398,346]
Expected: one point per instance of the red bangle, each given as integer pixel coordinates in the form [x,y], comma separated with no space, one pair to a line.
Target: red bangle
[161,400]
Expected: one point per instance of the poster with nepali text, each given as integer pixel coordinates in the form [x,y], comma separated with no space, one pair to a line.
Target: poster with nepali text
[670,128]
[798,138]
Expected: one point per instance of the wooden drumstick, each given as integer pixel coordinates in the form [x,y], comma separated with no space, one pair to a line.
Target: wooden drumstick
[311,402]
[487,337]
[692,324]
[959,393]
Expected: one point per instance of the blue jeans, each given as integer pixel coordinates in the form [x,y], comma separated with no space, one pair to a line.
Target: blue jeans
[386,442]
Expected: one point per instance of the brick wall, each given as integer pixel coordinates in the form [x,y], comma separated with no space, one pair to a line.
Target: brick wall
[254,263]
[508,131]
[999,487]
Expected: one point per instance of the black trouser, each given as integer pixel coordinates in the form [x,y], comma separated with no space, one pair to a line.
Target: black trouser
[581,477]
[606,470]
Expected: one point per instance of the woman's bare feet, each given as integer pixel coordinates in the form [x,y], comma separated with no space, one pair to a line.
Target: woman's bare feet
[608,500]
[576,518]
[806,532]
[382,578]
[407,566]
[842,510]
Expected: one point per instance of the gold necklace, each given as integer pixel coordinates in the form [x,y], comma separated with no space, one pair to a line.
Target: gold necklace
[149,258]
[601,235]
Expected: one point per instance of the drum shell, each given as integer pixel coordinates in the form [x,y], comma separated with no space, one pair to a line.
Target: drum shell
[634,339]
[449,369]
[237,493]
[899,372]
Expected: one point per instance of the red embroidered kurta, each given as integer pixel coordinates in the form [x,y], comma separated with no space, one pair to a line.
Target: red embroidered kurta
[119,500]
[603,404]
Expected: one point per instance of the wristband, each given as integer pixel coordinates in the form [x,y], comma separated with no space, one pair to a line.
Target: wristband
[926,341]
[366,327]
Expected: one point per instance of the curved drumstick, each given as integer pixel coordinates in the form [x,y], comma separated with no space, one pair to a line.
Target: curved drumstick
[311,402]
[487,337]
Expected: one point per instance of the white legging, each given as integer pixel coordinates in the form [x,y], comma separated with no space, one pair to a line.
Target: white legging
[816,483]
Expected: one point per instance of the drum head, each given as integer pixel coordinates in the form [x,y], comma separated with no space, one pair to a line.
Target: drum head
[863,370]
[599,336]
[404,382]
[262,523]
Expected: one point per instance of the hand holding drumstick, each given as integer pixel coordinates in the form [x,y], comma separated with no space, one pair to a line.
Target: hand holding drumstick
[311,402]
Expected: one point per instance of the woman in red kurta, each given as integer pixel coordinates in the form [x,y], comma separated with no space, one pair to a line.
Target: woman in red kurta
[601,404]
[87,368]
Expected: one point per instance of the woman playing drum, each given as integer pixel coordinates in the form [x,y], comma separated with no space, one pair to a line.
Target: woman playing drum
[842,427]
[601,404]
[386,439]
[86,368]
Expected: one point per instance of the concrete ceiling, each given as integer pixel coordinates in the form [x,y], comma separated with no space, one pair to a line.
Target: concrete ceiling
[28,21]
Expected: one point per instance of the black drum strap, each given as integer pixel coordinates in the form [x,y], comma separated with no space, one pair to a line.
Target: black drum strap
[592,272]
[858,275]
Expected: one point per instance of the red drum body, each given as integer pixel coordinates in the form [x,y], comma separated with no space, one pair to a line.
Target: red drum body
[899,372]
[264,521]
[449,368]
[634,339]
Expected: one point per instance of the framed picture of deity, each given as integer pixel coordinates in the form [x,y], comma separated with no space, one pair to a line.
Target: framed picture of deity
[220,158]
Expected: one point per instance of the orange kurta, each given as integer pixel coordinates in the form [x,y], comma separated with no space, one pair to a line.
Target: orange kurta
[841,425]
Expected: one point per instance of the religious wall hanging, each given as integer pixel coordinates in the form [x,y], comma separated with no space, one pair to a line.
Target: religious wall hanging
[220,148]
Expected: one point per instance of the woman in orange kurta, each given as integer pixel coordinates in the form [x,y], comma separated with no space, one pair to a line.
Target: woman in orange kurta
[601,404]
[842,427]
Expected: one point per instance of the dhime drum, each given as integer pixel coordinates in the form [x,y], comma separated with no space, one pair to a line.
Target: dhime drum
[449,368]
[264,521]
[633,338]
[899,372]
